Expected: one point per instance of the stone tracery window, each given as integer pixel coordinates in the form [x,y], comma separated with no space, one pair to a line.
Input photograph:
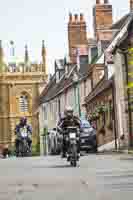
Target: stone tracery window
[24,103]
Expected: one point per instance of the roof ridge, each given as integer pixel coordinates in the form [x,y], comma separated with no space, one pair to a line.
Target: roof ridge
[119,21]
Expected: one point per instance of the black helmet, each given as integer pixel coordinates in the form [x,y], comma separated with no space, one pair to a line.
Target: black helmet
[23,120]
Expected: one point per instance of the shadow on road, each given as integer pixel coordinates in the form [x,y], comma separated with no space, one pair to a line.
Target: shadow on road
[60,166]
[55,166]
[127,158]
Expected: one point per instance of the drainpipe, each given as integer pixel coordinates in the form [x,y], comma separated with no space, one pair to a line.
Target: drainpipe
[114,113]
[79,109]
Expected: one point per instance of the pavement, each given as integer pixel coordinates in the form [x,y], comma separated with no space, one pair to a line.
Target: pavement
[97,177]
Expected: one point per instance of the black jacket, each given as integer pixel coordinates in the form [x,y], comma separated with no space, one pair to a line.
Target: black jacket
[65,122]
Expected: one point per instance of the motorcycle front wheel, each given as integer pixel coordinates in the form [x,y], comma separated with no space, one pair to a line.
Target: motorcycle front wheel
[73,163]
[74,156]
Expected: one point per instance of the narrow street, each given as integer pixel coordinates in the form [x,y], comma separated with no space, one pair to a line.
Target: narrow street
[97,177]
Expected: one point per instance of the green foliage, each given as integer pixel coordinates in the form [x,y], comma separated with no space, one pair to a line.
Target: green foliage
[101,109]
[94,116]
[45,131]
[130,85]
[36,149]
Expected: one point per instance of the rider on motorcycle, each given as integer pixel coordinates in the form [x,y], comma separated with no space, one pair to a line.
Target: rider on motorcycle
[68,120]
[23,126]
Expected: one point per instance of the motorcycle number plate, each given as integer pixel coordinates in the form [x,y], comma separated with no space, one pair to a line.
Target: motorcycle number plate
[72,135]
[23,133]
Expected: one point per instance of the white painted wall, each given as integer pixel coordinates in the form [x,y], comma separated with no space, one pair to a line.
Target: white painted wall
[49,115]
[120,96]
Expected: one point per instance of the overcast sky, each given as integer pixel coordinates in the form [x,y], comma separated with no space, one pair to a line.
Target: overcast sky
[31,21]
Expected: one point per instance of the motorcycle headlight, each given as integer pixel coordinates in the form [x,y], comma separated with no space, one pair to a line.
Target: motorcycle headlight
[90,129]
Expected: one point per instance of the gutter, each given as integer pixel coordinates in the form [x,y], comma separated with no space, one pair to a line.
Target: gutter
[114,113]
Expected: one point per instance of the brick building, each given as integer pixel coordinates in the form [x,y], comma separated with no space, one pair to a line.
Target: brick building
[115,90]
[102,18]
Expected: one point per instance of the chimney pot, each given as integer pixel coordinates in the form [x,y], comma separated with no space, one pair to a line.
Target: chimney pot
[106,1]
[76,17]
[70,17]
[81,17]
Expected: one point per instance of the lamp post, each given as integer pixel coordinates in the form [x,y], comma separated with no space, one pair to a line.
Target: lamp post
[76,81]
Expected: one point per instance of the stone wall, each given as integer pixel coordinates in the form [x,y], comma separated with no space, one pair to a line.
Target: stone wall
[12,86]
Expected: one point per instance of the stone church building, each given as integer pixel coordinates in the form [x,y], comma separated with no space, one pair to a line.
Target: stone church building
[20,86]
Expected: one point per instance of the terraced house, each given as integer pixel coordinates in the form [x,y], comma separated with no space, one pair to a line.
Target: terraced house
[112,96]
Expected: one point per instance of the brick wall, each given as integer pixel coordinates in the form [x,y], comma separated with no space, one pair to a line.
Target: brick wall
[102,14]
[77,34]
[131,5]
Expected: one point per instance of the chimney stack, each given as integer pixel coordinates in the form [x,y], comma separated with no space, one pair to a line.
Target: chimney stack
[77,35]
[102,1]
[106,1]
[102,18]
[97,1]
[81,17]
[131,5]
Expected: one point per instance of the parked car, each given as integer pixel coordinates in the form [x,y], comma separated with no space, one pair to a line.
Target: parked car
[54,144]
[88,137]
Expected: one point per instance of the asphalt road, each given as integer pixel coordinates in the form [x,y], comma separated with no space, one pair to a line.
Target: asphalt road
[100,177]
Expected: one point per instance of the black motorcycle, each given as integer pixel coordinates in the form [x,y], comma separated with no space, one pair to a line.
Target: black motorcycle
[72,139]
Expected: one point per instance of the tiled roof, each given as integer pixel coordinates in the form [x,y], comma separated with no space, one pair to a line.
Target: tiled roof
[123,24]
[105,44]
[46,90]
[53,88]
[100,87]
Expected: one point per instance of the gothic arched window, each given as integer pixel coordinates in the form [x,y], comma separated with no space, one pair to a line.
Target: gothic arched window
[24,103]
